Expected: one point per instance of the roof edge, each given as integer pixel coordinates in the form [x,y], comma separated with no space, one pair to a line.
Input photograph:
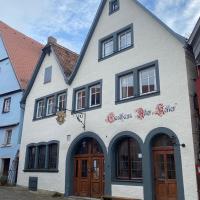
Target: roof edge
[195,30]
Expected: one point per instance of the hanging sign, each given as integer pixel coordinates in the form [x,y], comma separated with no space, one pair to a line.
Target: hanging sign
[141,113]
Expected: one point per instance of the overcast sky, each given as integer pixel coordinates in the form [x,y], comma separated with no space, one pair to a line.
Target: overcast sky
[69,20]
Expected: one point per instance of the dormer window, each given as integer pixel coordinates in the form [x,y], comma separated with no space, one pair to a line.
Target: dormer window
[114,6]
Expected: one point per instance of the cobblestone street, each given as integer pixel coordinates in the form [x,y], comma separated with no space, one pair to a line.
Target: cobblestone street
[18,193]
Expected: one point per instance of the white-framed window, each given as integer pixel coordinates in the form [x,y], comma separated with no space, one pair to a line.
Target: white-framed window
[95,95]
[6,105]
[126,83]
[8,136]
[148,81]
[125,39]
[50,106]
[81,99]
[107,47]
[61,104]
[40,109]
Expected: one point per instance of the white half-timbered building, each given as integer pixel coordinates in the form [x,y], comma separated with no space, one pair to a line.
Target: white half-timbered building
[125,120]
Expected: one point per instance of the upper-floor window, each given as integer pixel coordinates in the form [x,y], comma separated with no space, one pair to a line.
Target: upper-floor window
[107,47]
[126,86]
[6,105]
[61,104]
[116,42]
[80,99]
[8,136]
[50,106]
[95,95]
[113,6]
[148,81]
[124,39]
[138,82]
[48,74]
[40,109]
[88,96]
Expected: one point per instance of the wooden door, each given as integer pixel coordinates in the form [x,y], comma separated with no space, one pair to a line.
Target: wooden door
[82,177]
[97,176]
[164,174]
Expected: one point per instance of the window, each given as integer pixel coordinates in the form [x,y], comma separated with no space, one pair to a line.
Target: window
[42,157]
[6,105]
[80,99]
[47,106]
[47,75]
[107,47]
[40,109]
[53,156]
[148,80]
[129,160]
[139,82]
[31,157]
[8,136]
[95,95]
[88,97]
[61,105]
[114,6]
[116,42]
[126,86]
[124,39]
[50,106]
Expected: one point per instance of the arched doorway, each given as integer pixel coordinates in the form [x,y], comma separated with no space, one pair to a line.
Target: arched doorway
[164,168]
[89,173]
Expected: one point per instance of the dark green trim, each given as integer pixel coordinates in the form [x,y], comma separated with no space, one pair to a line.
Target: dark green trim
[87,91]
[112,162]
[135,71]
[45,98]
[70,163]
[114,36]
[148,171]
[110,7]
[46,169]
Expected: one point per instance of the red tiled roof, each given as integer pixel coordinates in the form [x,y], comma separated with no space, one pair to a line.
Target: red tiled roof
[23,52]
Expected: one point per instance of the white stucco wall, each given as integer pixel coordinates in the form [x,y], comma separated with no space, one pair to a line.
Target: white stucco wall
[151,42]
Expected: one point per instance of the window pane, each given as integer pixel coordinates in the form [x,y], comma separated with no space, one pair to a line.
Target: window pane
[6,107]
[171,172]
[107,48]
[80,100]
[84,168]
[40,109]
[126,86]
[95,95]
[61,102]
[50,106]
[124,40]
[53,154]
[31,157]
[41,156]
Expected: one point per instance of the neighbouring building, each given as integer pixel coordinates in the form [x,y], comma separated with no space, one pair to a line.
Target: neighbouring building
[121,121]
[194,42]
[18,57]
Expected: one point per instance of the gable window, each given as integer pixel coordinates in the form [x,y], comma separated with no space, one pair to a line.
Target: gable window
[128,160]
[42,157]
[107,47]
[126,86]
[8,136]
[124,39]
[50,106]
[40,109]
[95,95]
[80,99]
[47,75]
[114,6]
[116,42]
[148,81]
[136,83]
[6,105]
[61,104]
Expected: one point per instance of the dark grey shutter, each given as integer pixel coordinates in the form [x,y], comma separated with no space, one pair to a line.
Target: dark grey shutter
[48,74]
[33,183]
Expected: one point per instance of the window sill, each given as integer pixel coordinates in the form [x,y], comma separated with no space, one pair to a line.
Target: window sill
[86,109]
[127,182]
[45,117]
[42,170]
[117,52]
[138,97]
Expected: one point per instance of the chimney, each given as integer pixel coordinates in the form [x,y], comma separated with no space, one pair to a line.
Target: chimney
[52,40]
